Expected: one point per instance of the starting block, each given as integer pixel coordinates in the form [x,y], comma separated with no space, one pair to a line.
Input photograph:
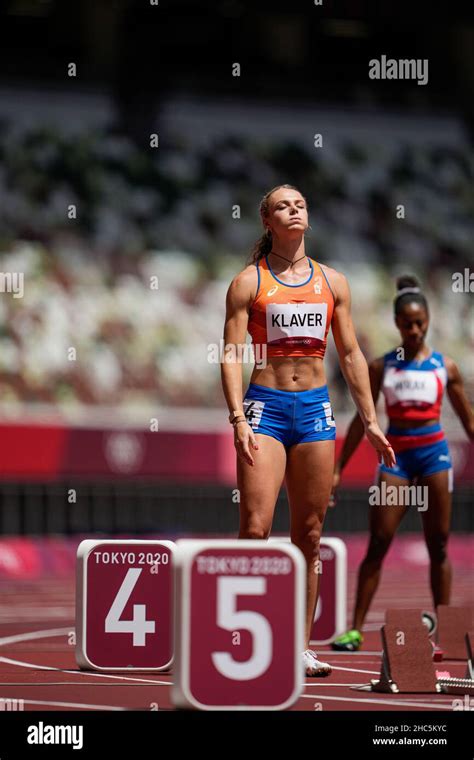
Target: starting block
[461,685]
[124,605]
[453,624]
[407,657]
[407,664]
[239,625]
[413,617]
[470,659]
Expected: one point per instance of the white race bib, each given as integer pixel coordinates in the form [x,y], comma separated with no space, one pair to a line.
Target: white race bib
[410,386]
[305,322]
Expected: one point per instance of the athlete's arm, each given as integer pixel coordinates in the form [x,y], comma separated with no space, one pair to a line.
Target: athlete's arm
[457,396]
[239,297]
[355,431]
[354,368]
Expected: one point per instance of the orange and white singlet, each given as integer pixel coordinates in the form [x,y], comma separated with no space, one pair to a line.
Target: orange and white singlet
[291,320]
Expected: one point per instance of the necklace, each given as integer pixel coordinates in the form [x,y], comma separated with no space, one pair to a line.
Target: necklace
[284,257]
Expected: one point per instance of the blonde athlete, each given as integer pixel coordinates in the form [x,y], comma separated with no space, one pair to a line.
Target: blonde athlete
[284,427]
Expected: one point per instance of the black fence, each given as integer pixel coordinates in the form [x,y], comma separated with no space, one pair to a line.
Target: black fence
[115,507]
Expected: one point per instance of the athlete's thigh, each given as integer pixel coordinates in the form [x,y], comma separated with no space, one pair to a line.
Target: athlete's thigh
[437,517]
[259,485]
[308,478]
[386,507]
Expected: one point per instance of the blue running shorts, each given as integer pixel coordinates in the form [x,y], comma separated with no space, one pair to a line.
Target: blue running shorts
[290,416]
[420,460]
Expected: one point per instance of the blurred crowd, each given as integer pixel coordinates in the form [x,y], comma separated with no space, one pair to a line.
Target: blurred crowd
[127,254]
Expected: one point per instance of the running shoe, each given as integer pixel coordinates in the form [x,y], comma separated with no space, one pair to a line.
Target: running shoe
[313,666]
[350,641]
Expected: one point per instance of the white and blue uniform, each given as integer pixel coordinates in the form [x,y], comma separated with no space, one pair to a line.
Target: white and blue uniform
[413,390]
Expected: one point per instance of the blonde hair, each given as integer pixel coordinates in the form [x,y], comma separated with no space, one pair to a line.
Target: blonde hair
[264,244]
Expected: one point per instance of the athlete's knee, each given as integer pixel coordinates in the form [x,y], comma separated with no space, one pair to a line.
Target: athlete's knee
[254,531]
[437,546]
[307,539]
[379,545]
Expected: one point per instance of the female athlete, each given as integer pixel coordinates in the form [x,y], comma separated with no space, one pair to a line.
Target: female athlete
[412,378]
[284,427]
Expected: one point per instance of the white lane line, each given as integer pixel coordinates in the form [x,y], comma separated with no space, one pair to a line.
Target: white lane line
[327,684]
[31,635]
[336,653]
[350,661]
[440,699]
[22,664]
[402,703]
[356,670]
[74,705]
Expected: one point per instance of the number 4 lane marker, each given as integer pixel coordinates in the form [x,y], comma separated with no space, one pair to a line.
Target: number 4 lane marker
[139,626]
[124,607]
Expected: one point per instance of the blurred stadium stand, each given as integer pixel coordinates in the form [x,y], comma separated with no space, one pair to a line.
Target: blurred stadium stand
[169,216]
[143,354]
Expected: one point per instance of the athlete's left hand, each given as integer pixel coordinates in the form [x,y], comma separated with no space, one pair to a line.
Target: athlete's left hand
[380,444]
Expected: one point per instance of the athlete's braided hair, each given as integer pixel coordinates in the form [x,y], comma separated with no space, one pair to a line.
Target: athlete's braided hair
[408,291]
[264,243]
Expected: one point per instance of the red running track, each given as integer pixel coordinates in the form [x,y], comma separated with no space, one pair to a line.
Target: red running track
[37,663]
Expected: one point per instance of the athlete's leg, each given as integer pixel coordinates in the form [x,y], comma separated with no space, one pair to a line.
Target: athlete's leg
[309,472]
[259,486]
[436,521]
[383,524]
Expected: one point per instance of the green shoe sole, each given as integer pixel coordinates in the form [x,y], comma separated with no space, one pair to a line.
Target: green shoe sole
[351,641]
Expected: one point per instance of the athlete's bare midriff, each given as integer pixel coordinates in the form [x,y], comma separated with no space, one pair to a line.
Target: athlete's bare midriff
[405,424]
[290,373]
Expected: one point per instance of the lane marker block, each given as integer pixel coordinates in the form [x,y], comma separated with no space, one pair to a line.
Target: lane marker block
[239,625]
[124,605]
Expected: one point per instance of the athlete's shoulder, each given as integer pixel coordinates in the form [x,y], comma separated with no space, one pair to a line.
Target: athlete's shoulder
[453,373]
[244,284]
[437,360]
[336,281]
[329,271]
[245,277]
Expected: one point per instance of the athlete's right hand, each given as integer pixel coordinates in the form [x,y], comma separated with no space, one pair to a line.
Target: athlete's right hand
[335,485]
[244,438]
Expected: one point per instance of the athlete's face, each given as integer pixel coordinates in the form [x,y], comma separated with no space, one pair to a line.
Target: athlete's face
[288,215]
[413,324]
